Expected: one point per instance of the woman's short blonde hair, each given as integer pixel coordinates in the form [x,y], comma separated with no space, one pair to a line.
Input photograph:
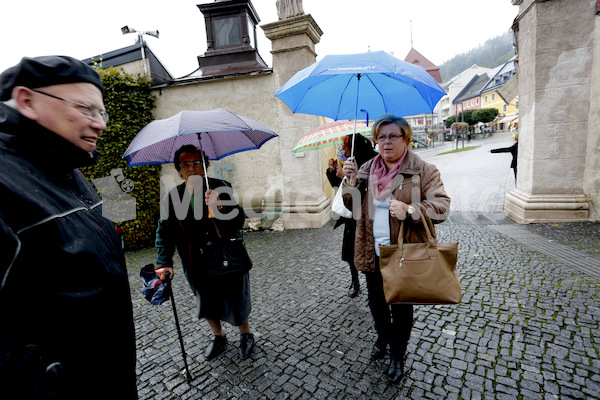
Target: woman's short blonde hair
[387,119]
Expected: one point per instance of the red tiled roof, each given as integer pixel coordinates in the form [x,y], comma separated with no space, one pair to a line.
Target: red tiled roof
[416,58]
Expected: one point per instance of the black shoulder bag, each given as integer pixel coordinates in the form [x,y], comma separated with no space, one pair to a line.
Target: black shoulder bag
[225,255]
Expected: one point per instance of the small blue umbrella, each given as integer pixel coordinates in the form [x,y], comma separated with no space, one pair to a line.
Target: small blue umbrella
[153,289]
[341,86]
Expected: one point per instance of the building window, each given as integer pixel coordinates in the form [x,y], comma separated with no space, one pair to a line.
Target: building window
[485,99]
[517,105]
[493,96]
[504,108]
[477,101]
[227,32]
[468,103]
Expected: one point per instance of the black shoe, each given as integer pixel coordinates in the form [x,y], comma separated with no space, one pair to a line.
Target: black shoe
[396,370]
[246,345]
[353,290]
[378,350]
[216,347]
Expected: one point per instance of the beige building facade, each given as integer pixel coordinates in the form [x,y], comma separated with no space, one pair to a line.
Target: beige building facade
[559,120]
[279,189]
[558,44]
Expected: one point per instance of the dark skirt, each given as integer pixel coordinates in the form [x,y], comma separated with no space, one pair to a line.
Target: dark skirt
[224,298]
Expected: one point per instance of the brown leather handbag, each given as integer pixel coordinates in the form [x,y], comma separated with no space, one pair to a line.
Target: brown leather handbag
[420,273]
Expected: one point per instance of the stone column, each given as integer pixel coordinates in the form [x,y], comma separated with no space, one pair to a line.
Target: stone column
[591,182]
[555,40]
[305,205]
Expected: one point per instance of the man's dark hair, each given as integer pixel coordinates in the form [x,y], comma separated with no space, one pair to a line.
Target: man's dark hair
[189,148]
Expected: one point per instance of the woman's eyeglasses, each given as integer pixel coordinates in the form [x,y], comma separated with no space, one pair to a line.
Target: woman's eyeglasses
[392,137]
[188,164]
[87,109]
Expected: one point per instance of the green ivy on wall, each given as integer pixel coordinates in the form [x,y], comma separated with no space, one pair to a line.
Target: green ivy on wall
[129,103]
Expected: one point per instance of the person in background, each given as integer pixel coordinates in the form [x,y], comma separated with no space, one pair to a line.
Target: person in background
[67,327]
[362,153]
[395,186]
[218,298]
[514,151]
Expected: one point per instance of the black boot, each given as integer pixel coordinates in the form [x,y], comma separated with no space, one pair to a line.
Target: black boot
[246,345]
[378,350]
[216,347]
[355,285]
[396,369]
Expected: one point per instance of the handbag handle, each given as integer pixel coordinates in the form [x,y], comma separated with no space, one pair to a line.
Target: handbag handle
[430,239]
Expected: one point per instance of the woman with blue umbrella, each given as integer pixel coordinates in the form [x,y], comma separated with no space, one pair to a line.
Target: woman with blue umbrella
[395,186]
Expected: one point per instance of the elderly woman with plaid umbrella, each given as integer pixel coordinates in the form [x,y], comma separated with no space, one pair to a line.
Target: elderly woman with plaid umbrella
[188,227]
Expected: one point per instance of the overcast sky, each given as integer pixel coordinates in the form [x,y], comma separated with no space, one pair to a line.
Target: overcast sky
[441,29]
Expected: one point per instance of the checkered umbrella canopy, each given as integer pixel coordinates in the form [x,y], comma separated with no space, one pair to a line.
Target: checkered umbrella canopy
[218,133]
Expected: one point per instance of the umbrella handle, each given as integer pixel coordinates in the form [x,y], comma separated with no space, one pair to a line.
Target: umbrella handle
[210,213]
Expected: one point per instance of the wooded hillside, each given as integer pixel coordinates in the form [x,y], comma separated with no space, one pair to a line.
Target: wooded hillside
[492,53]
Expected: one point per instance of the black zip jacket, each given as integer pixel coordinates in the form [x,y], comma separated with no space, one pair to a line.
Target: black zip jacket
[67,324]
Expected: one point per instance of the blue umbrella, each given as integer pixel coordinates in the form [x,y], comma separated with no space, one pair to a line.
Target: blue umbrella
[341,86]
[153,289]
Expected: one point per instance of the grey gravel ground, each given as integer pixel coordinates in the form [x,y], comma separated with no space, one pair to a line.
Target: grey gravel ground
[527,326]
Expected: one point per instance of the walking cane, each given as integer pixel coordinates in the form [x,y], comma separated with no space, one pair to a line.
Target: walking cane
[170,290]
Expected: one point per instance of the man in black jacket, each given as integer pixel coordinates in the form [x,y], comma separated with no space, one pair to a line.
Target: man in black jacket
[67,327]
[514,151]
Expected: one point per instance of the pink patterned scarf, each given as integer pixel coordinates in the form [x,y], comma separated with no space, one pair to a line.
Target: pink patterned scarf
[381,177]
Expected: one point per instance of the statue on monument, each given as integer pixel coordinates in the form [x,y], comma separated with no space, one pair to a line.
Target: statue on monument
[289,8]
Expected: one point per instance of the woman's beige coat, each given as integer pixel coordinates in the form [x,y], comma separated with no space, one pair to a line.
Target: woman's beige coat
[418,183]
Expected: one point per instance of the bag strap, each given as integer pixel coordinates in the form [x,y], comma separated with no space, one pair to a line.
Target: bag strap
[430,239]
[216,228]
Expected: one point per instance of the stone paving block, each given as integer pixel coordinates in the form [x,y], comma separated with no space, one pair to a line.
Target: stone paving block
[527,324]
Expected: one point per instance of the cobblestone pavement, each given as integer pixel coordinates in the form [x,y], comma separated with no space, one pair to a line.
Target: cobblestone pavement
[528,325]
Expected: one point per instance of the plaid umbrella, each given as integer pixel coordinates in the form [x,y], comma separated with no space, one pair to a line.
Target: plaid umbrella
[218,133]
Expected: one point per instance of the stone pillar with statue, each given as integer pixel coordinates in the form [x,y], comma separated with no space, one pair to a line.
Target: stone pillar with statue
[289,8]
[293,38]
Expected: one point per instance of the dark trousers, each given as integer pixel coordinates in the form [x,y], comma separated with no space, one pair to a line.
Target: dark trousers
[393,322]
[354,274]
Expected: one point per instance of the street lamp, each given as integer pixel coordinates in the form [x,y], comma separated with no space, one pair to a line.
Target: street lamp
[125,30]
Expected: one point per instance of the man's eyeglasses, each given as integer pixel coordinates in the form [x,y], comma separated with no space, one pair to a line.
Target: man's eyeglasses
[86,109]
[188,164]
[393,137]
